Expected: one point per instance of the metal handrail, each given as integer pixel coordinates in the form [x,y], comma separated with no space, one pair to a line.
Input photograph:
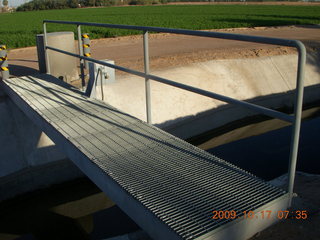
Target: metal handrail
[254,107]
[295,120]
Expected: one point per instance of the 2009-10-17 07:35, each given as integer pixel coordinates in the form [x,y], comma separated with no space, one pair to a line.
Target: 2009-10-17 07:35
[265,214]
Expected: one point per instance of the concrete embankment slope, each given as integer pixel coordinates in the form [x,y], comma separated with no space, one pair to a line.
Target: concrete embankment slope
[28,158]
[267,81]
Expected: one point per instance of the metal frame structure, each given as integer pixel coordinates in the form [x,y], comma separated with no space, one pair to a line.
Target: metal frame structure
[295,120]
[167,186]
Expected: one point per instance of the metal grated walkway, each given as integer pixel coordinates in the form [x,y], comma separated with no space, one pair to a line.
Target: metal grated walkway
[166,185]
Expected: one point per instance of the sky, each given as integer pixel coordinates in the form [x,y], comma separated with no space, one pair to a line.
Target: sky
[15,3]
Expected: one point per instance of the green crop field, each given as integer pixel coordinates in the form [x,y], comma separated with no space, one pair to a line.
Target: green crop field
[19,29]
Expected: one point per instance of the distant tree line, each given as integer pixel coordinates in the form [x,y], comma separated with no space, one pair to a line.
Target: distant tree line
[5,3]
[60,4]
[47,4]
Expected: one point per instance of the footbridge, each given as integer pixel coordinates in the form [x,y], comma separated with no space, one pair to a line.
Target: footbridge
[171,189]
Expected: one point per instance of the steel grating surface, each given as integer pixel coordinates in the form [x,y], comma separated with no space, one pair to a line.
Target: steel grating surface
[179,183]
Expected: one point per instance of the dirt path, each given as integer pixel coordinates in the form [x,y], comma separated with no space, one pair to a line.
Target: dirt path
[167,50]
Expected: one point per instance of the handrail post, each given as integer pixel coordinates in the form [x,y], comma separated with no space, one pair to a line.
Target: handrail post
[45,42]
[146,70]
[83,83]
[4,66]
[297,120]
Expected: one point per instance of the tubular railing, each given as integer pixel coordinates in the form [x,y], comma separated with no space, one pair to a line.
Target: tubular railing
[295,119]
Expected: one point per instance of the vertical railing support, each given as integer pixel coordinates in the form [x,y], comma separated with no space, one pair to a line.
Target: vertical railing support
[297,120]
[4,67]
[146,70]
[83,83]
[86,48]
[45,42]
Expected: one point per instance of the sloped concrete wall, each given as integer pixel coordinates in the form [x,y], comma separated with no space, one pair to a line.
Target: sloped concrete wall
[28,158]
[8,142]
[268,81]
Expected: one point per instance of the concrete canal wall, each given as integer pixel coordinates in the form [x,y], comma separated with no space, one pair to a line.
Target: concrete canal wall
[267,81]
[28,158]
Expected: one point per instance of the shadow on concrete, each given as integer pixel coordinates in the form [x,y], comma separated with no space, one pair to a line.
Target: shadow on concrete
[213,122]
[267,155]
[31,214]
[313,56]
[18,71]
